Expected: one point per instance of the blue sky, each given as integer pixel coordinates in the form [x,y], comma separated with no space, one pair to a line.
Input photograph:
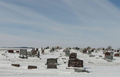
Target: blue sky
[65,23]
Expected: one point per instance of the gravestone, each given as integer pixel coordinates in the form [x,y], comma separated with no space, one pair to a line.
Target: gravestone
[52,63]
[91,55]
[80,70]
[33,51]
[53,49]
[38,54]
[58,47]
[81,50]
[107,53]
[111,53]
[47,47]
[29,53]
[96,51]
[108,56]
[23,53]
[43,51]
[16,65]
[75,63]
[85,50]
[32,67]
[17,51]
[92,50]
[89,52]
[10,51]
[104,51]
[73,56]
[117,55]
[67,52]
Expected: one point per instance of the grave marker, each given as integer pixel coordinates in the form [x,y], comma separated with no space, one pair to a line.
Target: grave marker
[75,63]
[23,53]
[73,56]
[10,51]
[52,63]
[16,65]
[32,67]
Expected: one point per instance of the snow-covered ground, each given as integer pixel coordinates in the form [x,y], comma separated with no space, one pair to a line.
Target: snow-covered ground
[97,66]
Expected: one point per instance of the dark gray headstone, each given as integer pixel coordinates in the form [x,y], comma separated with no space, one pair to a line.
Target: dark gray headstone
[80,70]
[67,52]
[91,55]
[81,50]
[111,53]
[109,57]
[23,51]
[52,61]
[89,52]
[104,51]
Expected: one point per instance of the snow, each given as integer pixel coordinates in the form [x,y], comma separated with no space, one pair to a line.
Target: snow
[97,66]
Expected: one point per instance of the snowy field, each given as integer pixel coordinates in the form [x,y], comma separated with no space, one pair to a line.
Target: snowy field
[97,66]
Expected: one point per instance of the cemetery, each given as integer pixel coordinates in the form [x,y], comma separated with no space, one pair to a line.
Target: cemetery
[55,61]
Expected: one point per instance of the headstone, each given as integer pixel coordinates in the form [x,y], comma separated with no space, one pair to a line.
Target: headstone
[100,55]
[17,51]
[29,53]
[107,53]
[43,51]
[96,51]
[47,47]
[111,53]
[117,55]
[23,53]
[58,47]
[16,65]
[81,50]
[33,51]
[52,63]
[38,54]
[67,52]
[88,47]
[53,49]
[80,70]
[73,56]
[32,67]
[104,51]
[91,55]
[92,50]
[75,63]
[89,52]
[85,50]
[108,56]
[76,48]
[10,51]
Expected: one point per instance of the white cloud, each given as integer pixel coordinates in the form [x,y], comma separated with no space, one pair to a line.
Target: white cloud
[99,23]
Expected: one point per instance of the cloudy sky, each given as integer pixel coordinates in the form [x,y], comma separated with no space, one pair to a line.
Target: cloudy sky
[41,23]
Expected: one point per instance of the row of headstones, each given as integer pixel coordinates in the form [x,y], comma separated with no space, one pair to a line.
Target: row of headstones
[52,62]
[57,47]
[29,66]
[89,51]
[24,53]
[12,51]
